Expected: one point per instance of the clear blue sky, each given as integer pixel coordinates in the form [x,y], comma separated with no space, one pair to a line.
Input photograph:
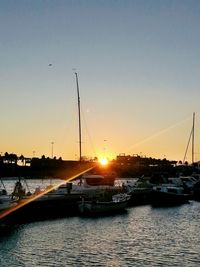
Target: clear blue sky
[139,76]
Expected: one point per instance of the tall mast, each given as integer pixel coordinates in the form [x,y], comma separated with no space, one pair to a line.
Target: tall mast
[193,137]
[79,117]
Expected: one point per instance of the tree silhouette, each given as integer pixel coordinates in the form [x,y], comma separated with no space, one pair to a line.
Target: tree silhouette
[21,158]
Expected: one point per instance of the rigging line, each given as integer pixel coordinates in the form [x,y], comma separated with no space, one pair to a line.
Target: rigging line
[187,145]
[90,138]
[26,184]
[2,183]
[69,126]
[191,136]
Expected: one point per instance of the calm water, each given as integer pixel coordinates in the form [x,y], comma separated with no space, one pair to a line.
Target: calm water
[144,236]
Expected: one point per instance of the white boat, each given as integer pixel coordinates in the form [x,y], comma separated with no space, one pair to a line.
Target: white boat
[95,207]
[188,182]
[89,185]
[54,196]
[94,182]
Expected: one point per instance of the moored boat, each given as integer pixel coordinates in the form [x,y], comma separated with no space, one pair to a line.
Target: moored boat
[95,207]
[168,195]
[196,191]
[139,190]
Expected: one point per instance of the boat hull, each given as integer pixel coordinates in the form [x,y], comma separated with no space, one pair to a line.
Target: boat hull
[95,208]
[168,199]
[140,196]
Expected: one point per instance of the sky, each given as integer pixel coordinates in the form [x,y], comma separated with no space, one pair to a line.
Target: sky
[139,76]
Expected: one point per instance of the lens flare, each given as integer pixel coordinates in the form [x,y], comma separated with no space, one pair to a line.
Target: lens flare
[24,202]
[103,161]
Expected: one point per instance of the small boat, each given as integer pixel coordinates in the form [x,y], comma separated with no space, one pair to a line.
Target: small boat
[139,190]
[168,195]
[95,207]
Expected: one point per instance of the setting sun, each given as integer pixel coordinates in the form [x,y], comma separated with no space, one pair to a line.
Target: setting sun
[103,161]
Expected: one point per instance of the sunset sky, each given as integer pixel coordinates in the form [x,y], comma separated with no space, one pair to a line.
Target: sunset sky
[138,64]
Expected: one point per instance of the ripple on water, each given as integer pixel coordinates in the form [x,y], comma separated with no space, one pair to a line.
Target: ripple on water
[144,236]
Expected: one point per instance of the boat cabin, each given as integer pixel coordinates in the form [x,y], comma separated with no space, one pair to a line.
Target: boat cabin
[97,180]
[168,189]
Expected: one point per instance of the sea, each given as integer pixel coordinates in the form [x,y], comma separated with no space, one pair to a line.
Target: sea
[142,236]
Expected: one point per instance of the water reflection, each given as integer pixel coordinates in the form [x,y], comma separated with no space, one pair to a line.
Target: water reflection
[144,236]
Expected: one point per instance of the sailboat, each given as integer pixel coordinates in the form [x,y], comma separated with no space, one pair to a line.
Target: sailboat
[191,136]
[89,184]
[63,192]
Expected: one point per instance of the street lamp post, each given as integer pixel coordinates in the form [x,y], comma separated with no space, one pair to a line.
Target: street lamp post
[104,149]
[52,143]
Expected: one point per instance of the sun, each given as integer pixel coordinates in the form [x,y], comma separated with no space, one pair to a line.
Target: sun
[103,161]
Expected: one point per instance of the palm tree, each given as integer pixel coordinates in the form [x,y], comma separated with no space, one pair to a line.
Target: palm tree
[6,157]
[22,159]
